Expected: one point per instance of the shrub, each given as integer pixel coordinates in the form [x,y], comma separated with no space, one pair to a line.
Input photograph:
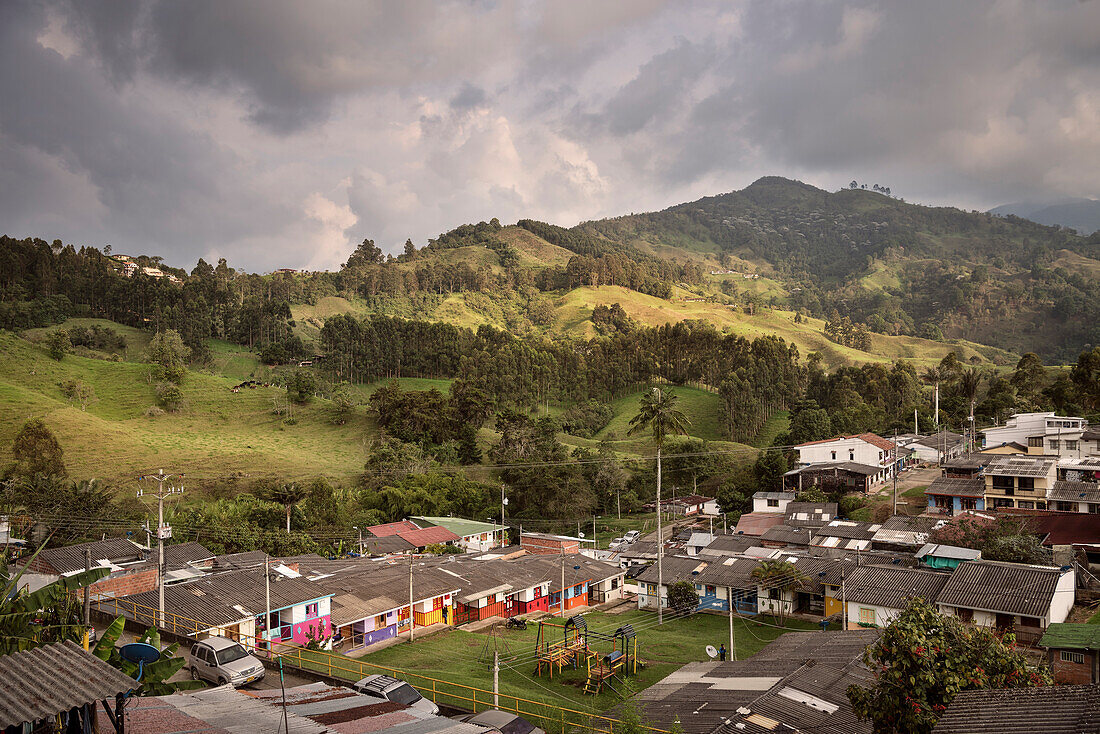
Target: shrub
[169,396]
[58,344]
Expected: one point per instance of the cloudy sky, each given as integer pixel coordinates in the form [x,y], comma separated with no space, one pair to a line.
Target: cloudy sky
[280,133]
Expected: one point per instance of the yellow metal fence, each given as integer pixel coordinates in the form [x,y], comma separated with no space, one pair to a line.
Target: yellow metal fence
[551,717]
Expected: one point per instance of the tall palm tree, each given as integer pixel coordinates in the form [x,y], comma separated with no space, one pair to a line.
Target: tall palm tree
[934,376]
[659,415]
[288,495]
[970,381]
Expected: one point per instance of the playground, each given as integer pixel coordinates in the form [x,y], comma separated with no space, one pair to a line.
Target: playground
[466,657]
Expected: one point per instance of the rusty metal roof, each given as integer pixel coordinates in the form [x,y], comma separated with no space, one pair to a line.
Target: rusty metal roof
[44,681]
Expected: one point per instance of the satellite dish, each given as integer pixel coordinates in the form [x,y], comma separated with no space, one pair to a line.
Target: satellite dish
[712,651]
[140,653]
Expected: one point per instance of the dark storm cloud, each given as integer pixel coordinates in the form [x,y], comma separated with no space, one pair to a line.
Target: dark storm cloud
[280,132]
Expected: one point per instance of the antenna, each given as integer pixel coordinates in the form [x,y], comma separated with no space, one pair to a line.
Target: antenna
[712,651]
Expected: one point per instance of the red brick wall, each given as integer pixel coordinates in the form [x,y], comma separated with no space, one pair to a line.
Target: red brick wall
[1073,673]
[125,583]
[548,546]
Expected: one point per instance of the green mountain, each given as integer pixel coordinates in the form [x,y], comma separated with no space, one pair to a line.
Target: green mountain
[899,268]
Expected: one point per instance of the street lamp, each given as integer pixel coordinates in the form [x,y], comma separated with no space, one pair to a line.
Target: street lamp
[503,504]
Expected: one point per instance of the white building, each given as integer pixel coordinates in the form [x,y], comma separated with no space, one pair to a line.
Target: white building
[1044,433]
[772,501]
[865,448]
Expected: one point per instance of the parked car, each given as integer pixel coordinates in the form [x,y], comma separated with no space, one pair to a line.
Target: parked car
[385,688]
[616,542]
[502,722]
[631,536]
[221,660]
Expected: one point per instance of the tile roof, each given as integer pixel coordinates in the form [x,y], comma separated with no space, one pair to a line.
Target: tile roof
[853,467]
[690,499]
[871,438]
[427,536]
[1065,528]
[44,681]
[755,523]
[957,487]
[891,586]
[1074,491]
[1050,710]
[996,586]
[1072,636]
[71,557]
[391,528]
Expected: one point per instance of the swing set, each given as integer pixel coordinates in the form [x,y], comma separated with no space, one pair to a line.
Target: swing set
[577,647]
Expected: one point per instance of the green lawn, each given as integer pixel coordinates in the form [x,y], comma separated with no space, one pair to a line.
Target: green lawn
[1095,619]
[462,657]
[700,406]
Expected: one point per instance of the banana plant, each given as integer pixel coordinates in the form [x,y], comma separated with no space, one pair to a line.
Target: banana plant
[155,677]
[49,614]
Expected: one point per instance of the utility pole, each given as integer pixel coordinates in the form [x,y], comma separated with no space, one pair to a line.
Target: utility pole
[496,677]
[843,599]
[936,419]
[503,530]
[916,423]
[412,614]
[729,603]
[660,536]
[163,531]
[594,544]
[895,471]
[561,597]
[267,611]
[87,591]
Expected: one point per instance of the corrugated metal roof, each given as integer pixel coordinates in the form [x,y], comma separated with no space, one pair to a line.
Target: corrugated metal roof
[947,551]
[182,554]
[460,526]
[1074,491]
[755,523]
[230,710]
[391,528]
[43,681]
[71,557]
[1019,466]
[996,586]
[1072,636]
[1050,710]
[892,586]
[957,487]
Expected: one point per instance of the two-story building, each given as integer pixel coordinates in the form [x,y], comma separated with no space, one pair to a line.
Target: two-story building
[772,501]
[866,449]
[1043,433]
[1019,482]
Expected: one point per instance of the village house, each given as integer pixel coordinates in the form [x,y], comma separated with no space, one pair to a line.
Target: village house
[949,495]
[878,594]
[810,514]
[772,501]
[904,533]
[1019,481]
[472,535]
[847,534]
[131,570]
[1009,595]
[692,504]
[546,544]
[1073,652]
[937,448]
[1044,434]
[859,450]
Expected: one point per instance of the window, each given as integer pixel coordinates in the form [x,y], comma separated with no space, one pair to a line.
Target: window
[881,455]
[851,454]
[1094,508]
[1071,445]
[380,621]
[773,503]
[966,615]
[1073,657]
[1026,505]
[1027,483]
[1065,506]
[832,455]
[1002,502]
[1003,483]
[1035,442]
[311,610]
[968,503]
[866,616]
[1053,444]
